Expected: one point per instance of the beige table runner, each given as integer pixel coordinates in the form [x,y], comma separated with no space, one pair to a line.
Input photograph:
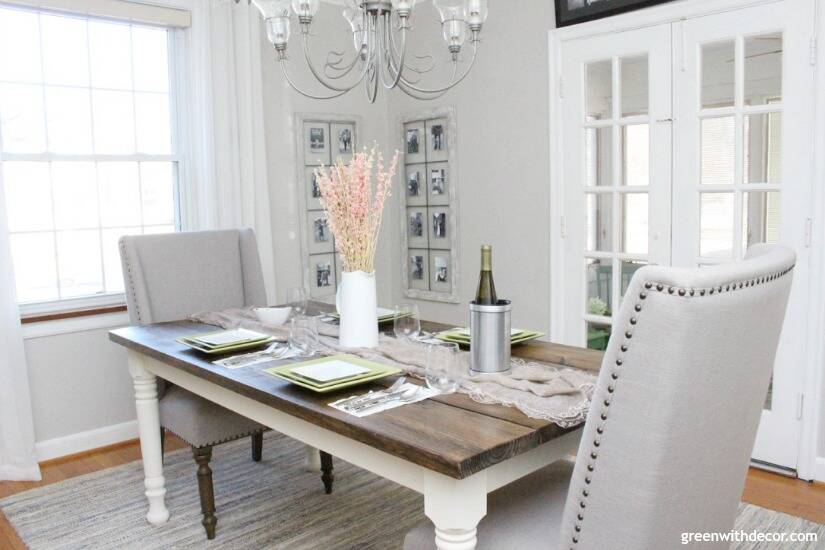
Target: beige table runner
[549,392]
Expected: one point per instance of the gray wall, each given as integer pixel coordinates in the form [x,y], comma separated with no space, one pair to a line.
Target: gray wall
[503,148]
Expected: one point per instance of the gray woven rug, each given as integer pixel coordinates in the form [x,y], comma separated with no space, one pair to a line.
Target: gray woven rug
[271,504]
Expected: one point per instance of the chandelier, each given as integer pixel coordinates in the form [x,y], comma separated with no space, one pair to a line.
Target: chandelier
[379,31]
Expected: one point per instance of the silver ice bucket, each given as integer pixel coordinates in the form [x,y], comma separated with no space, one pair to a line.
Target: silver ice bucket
[490,337]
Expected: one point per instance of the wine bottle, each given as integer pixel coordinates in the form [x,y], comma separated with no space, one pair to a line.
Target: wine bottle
[486,293]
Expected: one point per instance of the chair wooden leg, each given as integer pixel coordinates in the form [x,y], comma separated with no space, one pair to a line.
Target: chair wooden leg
[162,441]
[202,456]
[327,476]
[257,446]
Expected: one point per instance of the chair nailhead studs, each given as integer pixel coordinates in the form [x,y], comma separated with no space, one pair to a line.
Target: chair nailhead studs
[582,505]
[610,389]
[596,443]
[681,292]
[587,480]
[633,320]
[607,402]
[648,285]
[702,292]
[671,290]
[642,295]
[628,335]
[619,362]
[575,540]
[589,467]
[614,376]
[604,416]
[711,291]
[691,292]
[600,430]
[624,347]
[660,287]
[586,493]
[580,516]
[578,528]
[638,307]
[594,455]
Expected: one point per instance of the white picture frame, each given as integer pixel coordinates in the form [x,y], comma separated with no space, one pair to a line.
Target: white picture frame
[440,266]
[414,171]
[415,143]
[418,268]
[418,227]
[319,234]
[313,196]
[316,136]
[438,184]
[440,227]
[437,140]
[322,275]
[342,141]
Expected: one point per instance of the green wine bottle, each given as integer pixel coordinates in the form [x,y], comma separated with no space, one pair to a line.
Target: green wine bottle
[486,293]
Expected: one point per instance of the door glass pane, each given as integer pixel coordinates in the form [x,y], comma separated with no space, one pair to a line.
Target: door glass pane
[28,188]
[763,69]
[78,259]
[75,195]
[599,222]
[634,222]
[69,120]
[19,33]
[599,286]
[634,85]
[763,148]
[628,269]
[33,255]
[718,73]
[718,150]
[22,122]
[636,154]
[599,86]
[598,156]
[760,218]
[598,335]
[716,238]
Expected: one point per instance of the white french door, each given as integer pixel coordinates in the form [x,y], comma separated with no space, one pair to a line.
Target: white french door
[684,143]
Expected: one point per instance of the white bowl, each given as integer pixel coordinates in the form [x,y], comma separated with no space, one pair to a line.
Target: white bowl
[273,315]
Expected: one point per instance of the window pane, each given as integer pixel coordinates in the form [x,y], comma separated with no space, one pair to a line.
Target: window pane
[718,72]
[628,269]
[114,118]
[20,34]
[28,195]
[598,156]
[634,85]
[65,51]
[599,84]
[763,69]
[119,193]
[599,275]
[598,335]
[75,195]
[69,121]
[22,121]
[111,257]
[153,123]
[634,223]
[157,229]
[636,154]
[34,266]
[716,239]
[763,148]
[157,193]
[718,152]
[599,222]
[78,261]
[110,51]
[150,58]
[760,218]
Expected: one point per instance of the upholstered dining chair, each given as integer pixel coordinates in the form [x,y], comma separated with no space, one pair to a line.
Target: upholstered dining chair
[169,277]
[668,439]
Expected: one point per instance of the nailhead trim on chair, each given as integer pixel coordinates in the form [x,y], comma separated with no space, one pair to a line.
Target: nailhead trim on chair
[659,287]
[131,289]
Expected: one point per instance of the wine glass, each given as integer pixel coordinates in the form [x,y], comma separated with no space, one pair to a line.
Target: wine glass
[442,369]
[303,336]
[297,298]
[406,323]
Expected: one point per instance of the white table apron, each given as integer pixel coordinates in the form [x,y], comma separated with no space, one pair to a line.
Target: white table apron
[455,506]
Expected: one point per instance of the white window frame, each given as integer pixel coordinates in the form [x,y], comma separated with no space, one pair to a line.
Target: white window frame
[179,57]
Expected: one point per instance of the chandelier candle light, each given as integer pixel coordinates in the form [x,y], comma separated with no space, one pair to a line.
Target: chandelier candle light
[354,205]
[379,30]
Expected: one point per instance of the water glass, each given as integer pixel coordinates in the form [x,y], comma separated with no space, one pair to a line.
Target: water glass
[442,370]
[406,323]
[303,336]
[297,298]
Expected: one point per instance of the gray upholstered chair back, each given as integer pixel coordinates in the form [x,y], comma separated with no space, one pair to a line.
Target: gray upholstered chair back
[668,440]
[169,277]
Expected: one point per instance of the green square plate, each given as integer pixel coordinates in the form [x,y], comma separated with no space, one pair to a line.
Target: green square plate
[378,371]
[518,338]
[236,347]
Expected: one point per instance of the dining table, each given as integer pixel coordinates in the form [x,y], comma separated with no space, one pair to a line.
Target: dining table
[449,448]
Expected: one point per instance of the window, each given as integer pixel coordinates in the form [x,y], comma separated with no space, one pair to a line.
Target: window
[87,149]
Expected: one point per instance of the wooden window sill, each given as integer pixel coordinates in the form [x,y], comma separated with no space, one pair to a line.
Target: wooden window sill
[71,314]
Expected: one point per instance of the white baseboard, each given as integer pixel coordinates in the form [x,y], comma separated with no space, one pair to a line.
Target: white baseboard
[85,441]
[819,469]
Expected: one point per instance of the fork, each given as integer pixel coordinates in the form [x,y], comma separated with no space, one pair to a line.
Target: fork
[360,399]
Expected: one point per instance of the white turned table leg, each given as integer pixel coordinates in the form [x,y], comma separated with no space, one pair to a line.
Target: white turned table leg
[312,459]
[146,403]
[455,507]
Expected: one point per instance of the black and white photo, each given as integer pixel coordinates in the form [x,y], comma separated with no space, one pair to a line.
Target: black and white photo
[345,141]
[440,225]
[417,224]
[414,184]
[321,230]
[437,135]
[323,274]
[438,177]
[317,139]
[416,267]
[413,139]
[315,188]
[440,269]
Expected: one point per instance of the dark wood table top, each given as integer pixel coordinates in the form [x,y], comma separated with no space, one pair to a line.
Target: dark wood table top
[450,434]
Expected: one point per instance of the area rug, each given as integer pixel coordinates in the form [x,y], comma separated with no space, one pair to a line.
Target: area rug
[271,504]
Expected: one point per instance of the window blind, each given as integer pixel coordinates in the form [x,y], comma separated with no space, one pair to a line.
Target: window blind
[114,9]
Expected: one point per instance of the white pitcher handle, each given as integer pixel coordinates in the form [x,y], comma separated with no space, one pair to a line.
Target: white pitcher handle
[338,297]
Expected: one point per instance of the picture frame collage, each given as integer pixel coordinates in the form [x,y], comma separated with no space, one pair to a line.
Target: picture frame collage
[321,141]
[429,213]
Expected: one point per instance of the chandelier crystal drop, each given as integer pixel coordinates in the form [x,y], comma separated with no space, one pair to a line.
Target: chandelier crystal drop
[379,38]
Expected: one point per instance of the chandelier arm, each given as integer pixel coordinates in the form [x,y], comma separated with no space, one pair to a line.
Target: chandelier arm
[321,79]
[395,53]
[336,65]
[389,49]
[453,82]
[302,92]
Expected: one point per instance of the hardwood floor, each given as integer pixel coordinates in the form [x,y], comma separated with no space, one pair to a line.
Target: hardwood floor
[772,491]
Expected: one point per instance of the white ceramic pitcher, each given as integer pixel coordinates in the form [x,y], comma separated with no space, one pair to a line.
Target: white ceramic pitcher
[356,304]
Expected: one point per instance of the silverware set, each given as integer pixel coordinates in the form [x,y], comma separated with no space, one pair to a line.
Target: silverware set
[394,393]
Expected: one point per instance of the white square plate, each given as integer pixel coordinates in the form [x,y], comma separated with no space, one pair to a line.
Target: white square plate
[230,337]
[330,370]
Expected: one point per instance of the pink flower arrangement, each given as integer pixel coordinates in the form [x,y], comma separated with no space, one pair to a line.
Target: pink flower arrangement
[355,205]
